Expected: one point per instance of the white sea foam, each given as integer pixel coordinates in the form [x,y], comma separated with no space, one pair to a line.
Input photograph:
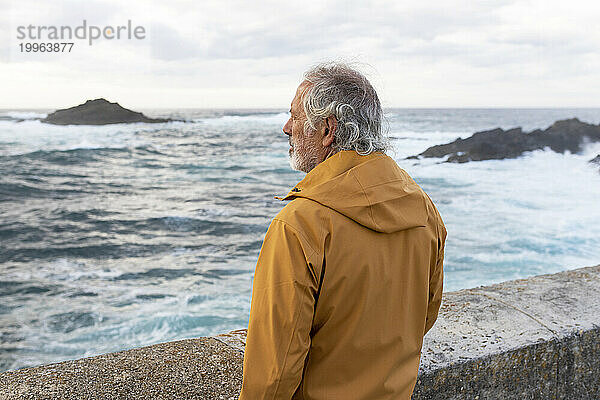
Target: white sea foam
[408,143]
[279,118]
[517,217]
[33,135]
[18,115]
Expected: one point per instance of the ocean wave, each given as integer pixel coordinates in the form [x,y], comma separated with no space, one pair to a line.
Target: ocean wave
[70,321]
[81,155]
[23,115]
[9,288]
[99,251]
[18,191]
[154,273]
[70,156]
[266,118]
[32,135]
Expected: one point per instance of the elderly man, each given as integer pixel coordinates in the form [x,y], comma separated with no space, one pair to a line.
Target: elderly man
[349,277]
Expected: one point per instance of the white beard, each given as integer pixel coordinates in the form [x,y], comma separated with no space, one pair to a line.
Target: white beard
[303,163]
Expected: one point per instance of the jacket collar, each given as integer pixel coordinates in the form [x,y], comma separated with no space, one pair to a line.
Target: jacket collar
[328,169]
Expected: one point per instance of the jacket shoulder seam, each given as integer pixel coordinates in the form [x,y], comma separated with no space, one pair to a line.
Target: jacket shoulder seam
[300,233]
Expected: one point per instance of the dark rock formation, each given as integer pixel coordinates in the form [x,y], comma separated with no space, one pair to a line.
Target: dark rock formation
[499,144]
[98,112]
[596,160]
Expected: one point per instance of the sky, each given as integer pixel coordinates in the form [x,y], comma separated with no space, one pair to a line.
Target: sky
[205,54]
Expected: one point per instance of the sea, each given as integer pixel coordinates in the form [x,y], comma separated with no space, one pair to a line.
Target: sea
[119,236]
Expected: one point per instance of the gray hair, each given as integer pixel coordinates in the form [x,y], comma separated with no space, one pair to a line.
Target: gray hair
[339,90]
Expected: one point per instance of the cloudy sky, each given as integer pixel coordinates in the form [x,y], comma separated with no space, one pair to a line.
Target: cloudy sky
[495,53]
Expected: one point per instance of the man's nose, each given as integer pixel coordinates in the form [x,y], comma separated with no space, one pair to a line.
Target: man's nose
[287,127]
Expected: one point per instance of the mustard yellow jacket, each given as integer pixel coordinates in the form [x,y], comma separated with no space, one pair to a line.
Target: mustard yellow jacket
[348,280]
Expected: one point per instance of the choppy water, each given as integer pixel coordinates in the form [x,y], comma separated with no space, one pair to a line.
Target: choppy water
[119,236]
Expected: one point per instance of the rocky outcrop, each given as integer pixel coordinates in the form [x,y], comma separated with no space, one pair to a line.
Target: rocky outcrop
[498,144]
[98,112]
[596,160]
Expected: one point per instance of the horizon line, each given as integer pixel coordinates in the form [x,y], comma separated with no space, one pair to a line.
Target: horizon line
[285,109]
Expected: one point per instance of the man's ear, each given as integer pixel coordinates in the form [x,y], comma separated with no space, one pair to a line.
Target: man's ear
[330,128]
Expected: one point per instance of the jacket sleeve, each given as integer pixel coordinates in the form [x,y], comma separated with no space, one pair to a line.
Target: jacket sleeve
[436,284]
[283,298]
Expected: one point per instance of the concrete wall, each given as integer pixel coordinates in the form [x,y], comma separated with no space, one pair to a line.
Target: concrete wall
[536,338]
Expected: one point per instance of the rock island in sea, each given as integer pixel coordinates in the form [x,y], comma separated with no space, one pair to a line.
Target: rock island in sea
[498,144]
[98,112]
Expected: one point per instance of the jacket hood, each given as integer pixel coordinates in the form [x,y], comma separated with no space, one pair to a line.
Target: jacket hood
[371,190]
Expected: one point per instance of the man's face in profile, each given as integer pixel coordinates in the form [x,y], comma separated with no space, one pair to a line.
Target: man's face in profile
[306,148]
